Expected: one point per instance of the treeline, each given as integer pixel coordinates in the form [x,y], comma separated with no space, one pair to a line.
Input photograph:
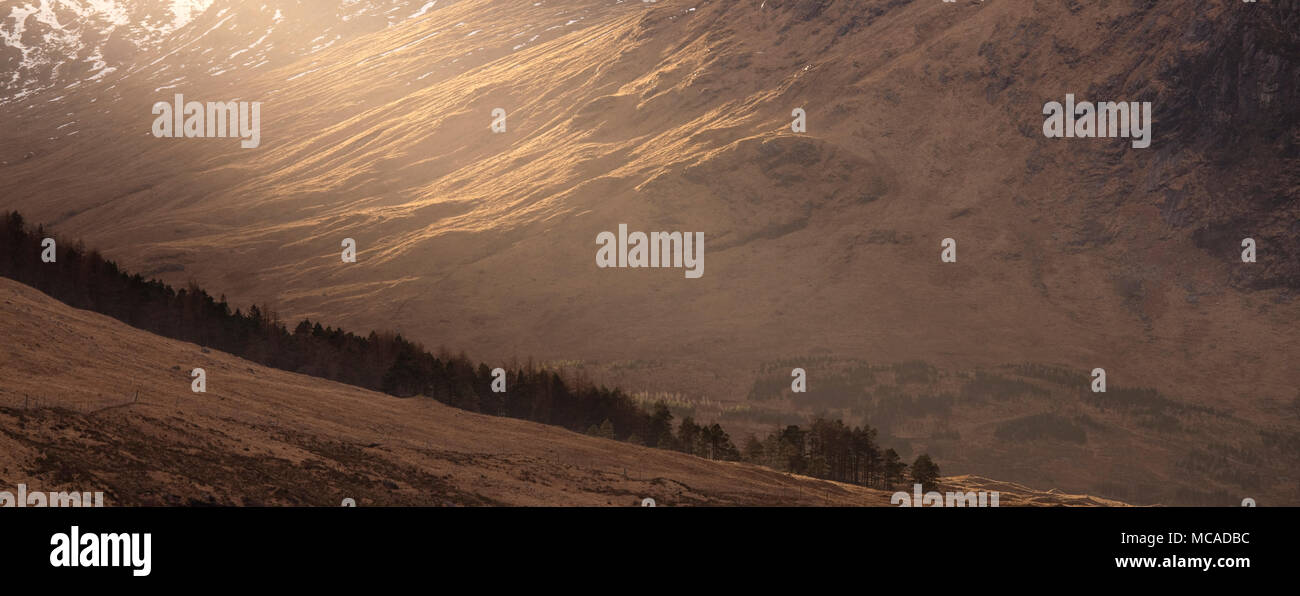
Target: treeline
[711,441]
[379,361]
[389,363]
[829,449]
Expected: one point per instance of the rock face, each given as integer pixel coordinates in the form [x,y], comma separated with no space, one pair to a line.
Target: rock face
[1230,97]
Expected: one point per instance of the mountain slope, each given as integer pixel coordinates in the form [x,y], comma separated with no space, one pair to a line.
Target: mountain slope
[84,405]
[924,123]
[669,118]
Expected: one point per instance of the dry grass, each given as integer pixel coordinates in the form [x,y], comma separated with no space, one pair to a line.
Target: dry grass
[87,403]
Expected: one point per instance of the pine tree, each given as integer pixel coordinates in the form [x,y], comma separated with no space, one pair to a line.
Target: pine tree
[753,450]
[893,467]
[688,436]
[925,472]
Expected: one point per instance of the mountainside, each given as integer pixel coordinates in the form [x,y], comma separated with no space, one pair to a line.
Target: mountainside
[84,406]
[57,45]
[924,123]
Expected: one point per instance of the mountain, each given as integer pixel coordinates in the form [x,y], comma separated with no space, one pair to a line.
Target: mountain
[924,123]
[58,45]
[85,406]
